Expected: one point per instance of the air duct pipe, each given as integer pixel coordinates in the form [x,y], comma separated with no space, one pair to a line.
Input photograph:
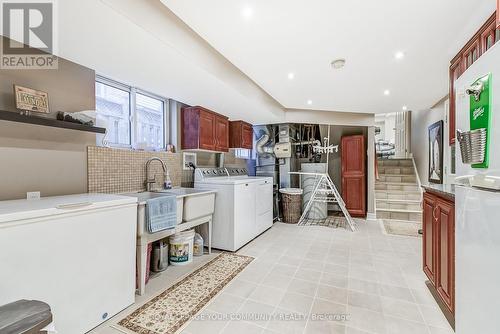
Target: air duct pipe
[261,148]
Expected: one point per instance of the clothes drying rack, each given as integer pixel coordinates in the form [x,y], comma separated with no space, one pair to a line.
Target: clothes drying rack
[324,192]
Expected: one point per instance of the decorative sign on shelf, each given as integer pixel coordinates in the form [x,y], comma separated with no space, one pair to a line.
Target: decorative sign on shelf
[28,99]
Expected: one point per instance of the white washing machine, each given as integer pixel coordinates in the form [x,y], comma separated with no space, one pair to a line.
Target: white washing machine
[243,205]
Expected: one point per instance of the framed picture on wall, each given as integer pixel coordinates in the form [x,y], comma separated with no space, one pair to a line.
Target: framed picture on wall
[436,152]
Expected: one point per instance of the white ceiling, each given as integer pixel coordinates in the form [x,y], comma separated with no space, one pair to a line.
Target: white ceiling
[303,37]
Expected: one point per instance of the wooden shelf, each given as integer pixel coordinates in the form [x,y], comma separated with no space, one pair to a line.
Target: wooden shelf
[11,116]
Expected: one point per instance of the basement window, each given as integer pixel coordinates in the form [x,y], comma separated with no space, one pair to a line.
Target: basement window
[132,117]
[243,153]
[113,107]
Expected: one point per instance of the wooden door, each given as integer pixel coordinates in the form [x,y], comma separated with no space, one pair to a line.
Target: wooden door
[445,252]
[429,237]
[221,134]
[402,134]
[246,136]
[207,130]
[354,174]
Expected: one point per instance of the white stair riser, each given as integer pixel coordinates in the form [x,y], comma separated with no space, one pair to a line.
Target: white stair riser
[400,215]
[382,194]
[401,178]
[398,206]
[401,187]
[389,162]
[396,170]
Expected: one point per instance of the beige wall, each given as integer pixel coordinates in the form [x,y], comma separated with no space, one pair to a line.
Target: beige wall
[420,122]
[329,117]
[36,158]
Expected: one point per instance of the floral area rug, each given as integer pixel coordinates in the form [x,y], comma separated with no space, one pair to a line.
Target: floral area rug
[170,310]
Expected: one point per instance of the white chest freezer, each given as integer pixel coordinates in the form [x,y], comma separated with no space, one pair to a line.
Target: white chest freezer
[75,253]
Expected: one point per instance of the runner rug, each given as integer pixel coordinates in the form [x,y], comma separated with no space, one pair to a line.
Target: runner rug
[170,310]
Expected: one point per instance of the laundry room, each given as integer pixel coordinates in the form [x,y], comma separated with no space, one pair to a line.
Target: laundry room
[291,153]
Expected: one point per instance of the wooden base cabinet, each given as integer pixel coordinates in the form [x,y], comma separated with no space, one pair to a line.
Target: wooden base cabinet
[203,129]
[439,247]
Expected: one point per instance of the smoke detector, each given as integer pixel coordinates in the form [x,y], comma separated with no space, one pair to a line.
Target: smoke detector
[338,63]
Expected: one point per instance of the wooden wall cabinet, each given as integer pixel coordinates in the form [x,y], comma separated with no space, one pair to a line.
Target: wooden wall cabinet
[481,42]
[353,170]
[240,135]
[439,247]
[204,129]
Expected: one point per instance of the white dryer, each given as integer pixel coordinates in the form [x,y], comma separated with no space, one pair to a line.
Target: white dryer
[243,205]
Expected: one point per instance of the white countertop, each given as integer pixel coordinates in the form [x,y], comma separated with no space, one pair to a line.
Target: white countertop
[14,210]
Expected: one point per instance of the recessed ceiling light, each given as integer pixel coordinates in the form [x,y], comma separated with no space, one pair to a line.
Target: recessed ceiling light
[399,55]
[387,92]
[291,75]
[405,108]
[338,63]
[309,102]
[247,12]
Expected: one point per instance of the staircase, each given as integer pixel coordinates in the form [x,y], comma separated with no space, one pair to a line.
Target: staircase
[397,194]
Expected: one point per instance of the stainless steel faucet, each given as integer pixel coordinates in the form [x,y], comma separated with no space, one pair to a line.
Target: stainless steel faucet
[151,180]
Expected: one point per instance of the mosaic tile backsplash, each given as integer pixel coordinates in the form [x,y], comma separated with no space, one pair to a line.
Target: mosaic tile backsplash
[118,171]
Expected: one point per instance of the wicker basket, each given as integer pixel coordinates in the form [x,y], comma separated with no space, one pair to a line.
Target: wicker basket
[292,204]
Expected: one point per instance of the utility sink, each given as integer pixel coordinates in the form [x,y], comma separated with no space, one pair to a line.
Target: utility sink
[195,207]
[142,199]
[191,204]
[197,202]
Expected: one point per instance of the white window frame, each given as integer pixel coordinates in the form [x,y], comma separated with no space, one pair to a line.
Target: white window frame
[133,91]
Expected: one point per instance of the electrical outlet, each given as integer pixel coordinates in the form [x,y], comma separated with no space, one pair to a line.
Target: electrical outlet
[33,195]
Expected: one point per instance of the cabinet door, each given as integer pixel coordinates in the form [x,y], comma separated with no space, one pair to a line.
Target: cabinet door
[455,72]
[221,134]
[353,174]
[445,252]
[471,54]
[207,131]
[246,136]
[429,239]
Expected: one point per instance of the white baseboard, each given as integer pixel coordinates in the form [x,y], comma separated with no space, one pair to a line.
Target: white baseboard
[371,216]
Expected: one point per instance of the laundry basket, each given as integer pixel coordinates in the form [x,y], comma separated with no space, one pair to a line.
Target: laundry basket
[292,204]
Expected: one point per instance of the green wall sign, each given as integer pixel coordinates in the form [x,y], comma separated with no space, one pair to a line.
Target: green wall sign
[480,112]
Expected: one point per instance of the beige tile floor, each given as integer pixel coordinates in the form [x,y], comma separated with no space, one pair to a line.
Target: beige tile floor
[372,278]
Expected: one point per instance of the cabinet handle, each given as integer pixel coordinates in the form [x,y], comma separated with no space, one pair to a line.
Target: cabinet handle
[434,213]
